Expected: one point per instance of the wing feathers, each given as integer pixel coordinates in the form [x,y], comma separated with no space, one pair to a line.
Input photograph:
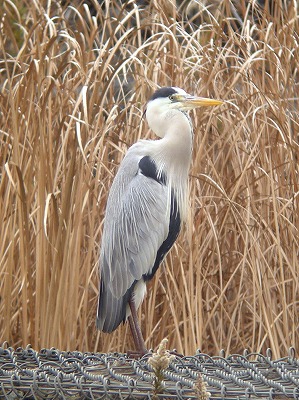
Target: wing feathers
[139,229]
[136,225]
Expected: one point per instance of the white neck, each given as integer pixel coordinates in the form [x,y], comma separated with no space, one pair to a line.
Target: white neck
[172,155]
[173,151]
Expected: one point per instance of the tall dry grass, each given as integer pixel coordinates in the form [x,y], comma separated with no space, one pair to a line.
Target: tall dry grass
[73,88]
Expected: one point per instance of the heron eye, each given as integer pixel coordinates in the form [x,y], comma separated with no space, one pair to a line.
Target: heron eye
[171,97]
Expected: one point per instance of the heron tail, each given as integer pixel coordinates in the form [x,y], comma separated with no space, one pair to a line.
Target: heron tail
[111,310]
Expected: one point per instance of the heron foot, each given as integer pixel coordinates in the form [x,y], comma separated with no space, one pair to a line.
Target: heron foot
[136,354]
[175,353]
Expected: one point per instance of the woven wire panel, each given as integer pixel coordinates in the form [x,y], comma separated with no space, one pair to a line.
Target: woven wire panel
[53,374]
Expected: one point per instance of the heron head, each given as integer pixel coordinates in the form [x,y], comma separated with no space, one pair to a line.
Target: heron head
[167,101]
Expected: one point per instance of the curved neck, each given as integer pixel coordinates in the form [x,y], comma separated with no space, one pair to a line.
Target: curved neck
[172,156]
[174,149]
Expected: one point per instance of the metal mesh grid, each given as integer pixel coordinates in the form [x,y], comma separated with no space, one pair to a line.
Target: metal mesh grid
[53,374]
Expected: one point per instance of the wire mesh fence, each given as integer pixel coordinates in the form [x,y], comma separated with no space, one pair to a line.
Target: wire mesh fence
[53,374]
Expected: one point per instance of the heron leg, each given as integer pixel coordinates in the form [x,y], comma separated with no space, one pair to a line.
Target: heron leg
[135,329]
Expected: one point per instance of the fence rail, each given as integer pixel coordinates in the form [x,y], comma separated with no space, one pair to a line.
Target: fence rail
[53,374]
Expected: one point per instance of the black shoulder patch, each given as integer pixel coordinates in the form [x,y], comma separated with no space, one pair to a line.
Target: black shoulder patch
[148,168]
[174,230]
[163,92]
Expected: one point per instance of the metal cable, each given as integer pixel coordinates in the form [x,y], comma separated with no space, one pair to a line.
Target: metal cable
[53,374]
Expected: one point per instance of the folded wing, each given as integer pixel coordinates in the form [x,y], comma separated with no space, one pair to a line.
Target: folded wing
[136,226]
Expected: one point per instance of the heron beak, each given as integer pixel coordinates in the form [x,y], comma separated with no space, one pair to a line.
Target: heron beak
[194,102]
[189,102]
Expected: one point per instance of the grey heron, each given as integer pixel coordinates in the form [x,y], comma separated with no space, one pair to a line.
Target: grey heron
[146,205]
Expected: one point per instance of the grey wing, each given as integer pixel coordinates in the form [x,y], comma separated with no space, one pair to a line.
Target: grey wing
[136,224]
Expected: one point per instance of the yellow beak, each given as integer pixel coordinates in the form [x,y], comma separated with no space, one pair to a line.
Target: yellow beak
[188,102]
[201,102]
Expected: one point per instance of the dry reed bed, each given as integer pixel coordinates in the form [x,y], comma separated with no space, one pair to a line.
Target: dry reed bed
[73,88]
